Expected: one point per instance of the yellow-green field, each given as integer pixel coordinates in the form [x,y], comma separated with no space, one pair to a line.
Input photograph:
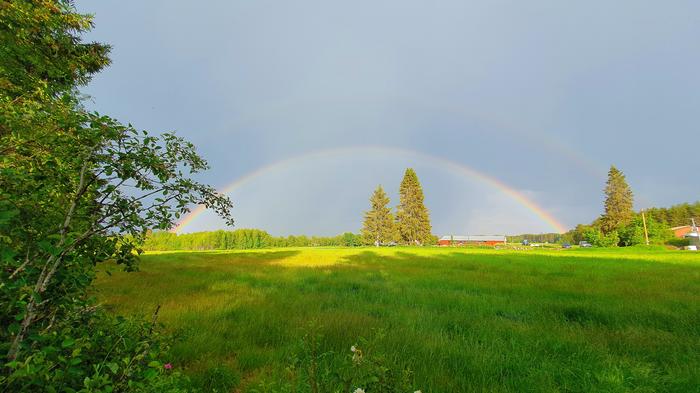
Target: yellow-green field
[461,320]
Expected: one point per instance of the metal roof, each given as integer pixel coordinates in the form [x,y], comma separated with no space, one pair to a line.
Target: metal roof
[680,227]
[475,238]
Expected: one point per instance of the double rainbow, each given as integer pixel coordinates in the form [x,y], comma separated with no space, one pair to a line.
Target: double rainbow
[511,192]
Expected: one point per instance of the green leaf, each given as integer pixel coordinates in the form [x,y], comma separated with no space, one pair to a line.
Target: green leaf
[37,297]
[69,342]
[12,364]
[155,364]
[113,367]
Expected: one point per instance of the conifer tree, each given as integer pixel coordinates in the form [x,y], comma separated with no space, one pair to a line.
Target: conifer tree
[618,202]
[379,226]
[412,216]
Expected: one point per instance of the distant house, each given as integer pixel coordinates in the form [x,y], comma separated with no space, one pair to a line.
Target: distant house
[681,231]
[474,240]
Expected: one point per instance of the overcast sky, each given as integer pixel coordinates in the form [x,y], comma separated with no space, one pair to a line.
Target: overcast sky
[541,95]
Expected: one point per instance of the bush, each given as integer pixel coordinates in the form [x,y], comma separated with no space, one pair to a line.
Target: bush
[633,234]
[94,352]
[677,242]
[598,239]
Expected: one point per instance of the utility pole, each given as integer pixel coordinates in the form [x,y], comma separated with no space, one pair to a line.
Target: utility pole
[646,234]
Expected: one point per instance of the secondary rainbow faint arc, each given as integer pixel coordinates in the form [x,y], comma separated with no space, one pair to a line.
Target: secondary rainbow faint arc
[452,165]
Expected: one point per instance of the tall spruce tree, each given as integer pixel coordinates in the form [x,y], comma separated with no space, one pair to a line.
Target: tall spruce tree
[412,216]
[619,202]
[379,226]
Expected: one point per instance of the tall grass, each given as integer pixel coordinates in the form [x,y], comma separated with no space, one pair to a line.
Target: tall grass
[462,320]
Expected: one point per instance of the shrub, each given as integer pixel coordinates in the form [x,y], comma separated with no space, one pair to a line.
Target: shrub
[633,234]
[677,242]
[598,239]
[95,352]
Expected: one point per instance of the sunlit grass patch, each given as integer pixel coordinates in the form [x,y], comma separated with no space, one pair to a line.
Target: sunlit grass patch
[462,319]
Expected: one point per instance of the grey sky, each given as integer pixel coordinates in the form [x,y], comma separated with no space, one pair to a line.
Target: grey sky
[542,95]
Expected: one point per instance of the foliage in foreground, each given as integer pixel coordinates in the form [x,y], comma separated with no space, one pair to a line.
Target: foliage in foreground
[76,188]
[93,352]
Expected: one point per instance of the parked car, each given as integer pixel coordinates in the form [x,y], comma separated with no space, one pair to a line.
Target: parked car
[566,245]
[584,244]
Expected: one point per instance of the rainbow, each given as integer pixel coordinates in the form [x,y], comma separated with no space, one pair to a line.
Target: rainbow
[439,161]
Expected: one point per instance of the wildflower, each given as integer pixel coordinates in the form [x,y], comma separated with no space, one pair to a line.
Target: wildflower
[359,390]
[417,391]
[353,349]
[357,357]
[168,366]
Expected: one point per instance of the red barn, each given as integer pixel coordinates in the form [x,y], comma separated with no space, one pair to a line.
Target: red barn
[681,231]
[474,240]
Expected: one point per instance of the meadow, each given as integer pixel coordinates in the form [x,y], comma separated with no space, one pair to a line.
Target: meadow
[462,320]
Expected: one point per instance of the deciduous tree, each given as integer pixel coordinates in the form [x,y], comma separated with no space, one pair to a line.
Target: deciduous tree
[76,187]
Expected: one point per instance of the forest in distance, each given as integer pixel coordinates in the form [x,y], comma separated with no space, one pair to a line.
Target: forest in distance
[240,239]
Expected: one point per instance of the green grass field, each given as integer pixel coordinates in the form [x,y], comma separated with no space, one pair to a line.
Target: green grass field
[462,320]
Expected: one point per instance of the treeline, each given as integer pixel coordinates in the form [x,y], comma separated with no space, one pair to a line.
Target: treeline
[676,215]
[630,234]
[621,226]
[241,239]
[659,222]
